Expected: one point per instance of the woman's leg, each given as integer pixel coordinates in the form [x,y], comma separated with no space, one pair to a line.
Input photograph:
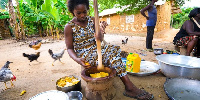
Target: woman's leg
[191,45]
[132,90]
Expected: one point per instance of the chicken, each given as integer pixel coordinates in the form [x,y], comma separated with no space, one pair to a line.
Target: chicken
[56,56]
[32,57]
[6,74]
[34,43]
[125,41]
[36,47]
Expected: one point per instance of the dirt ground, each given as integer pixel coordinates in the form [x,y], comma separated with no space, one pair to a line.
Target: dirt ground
[42,76]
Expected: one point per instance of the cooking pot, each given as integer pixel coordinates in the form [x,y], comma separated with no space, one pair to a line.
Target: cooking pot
[182,89]
[179,66]
[158,51]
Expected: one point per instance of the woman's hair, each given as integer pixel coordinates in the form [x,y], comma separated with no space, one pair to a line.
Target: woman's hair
[194,12]
[71,4]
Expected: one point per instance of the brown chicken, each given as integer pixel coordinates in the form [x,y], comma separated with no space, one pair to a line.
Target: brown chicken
[36,47]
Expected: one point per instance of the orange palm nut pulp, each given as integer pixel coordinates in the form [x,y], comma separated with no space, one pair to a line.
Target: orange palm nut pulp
[67,81]
[99,75]
[86,63]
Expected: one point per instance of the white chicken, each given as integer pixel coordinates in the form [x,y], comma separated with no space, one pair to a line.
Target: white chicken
[56,56]
[6,74]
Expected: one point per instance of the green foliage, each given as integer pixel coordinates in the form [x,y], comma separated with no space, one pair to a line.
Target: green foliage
[129,6]
[3,4]
[4,15]
[180,18]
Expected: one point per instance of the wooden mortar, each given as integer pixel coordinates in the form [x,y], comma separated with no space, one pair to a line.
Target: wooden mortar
[99,88]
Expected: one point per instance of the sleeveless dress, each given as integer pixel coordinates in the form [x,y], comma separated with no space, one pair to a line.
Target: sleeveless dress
[182,38]
[85,47]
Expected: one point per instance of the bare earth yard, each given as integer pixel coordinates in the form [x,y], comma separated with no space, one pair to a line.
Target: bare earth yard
[42,76]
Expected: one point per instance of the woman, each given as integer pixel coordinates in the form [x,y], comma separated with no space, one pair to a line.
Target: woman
[189,32]
[151,22]
[81,46]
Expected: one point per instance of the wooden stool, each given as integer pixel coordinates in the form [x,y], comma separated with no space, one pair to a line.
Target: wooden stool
[182,50]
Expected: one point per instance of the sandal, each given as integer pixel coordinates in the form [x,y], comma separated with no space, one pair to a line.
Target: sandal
[140,95]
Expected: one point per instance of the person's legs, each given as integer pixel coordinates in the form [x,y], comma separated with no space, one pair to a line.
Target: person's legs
[149,38]
[132,90]
[191,45]
[198,48]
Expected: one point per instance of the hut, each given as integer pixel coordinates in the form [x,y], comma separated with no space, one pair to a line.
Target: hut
[133,24]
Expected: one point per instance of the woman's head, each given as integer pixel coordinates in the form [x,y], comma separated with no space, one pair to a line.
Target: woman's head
[194,12]
[78,8]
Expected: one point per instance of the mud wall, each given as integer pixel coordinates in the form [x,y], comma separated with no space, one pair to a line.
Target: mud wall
[118,22]
[4,28]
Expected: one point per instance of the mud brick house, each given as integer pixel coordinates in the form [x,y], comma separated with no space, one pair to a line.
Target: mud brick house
[137,23]
[4,28]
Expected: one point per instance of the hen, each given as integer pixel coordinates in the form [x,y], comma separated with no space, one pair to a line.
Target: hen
[56,56]
[125,41]
[32,57]
[35,44]
[6,74]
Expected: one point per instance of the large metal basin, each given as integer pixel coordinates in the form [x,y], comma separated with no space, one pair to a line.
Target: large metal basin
[179,66]
[182,89]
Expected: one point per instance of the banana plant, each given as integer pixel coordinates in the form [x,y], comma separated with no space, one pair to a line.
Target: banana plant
[49,8]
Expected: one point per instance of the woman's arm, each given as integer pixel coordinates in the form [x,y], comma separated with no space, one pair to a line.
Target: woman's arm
[69,44]
[189,27]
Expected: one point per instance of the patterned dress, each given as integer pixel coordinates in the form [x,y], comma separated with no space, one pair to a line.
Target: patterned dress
[85,47]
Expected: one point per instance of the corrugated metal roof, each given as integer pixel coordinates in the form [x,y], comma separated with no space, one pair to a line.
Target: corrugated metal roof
[109,11]
[115,10]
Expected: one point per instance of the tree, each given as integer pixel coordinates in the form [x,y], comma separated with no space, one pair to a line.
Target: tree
[130,6]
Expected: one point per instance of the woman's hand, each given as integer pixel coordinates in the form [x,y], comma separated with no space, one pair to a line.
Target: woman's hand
[103,25]
[82,62]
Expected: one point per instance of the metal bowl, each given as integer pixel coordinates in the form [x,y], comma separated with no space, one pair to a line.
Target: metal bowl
[182,89]
[76,87]
[75,95]
[158,51]
[179,66]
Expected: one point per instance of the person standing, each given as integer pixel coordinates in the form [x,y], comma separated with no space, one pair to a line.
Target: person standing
[150,23]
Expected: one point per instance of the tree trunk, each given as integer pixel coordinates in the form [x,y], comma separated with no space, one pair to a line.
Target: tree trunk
[21,22]
[40,29]
[13,22]
[52,32]
[57,33]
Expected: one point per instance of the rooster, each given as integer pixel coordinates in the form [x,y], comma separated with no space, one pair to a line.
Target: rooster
[32,57]
[56,56]
[6,74]
[35,44]
[125,41]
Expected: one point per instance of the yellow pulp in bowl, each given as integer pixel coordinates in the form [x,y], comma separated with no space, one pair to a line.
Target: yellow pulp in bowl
[67,81]
[99,75]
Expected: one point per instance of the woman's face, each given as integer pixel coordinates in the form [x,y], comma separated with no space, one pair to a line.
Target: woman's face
[80,12]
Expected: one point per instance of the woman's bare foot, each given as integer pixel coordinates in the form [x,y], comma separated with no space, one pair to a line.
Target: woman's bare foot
[132,91]
[138,94]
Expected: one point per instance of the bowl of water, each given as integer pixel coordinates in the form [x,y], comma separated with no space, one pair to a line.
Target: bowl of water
[75,95]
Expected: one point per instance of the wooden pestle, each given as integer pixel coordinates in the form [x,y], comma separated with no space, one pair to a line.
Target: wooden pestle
[97,30]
